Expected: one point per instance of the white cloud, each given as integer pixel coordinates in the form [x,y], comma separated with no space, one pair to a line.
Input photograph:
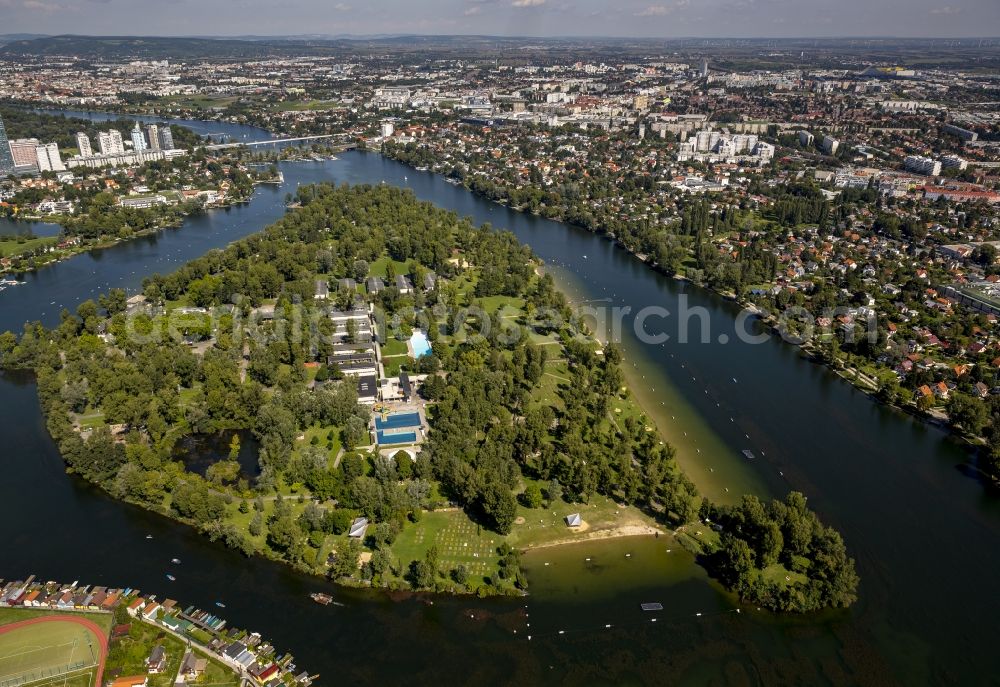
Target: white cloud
[527,3]
[472,11]
[662,10]
[947,9]
[342,7]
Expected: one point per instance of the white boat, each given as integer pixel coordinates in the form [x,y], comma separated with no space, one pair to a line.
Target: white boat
[171,578]
[175,561]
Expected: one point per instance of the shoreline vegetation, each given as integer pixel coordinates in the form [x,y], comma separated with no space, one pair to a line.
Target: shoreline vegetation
[815,351]
[529,425]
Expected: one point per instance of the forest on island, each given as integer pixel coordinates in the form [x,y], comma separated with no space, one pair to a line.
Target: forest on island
[120,397]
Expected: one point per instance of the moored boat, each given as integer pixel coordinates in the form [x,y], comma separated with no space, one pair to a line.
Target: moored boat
[321,598]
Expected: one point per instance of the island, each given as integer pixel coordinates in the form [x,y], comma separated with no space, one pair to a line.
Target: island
[391,396]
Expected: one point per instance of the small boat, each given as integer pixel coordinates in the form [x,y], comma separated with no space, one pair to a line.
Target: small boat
[149,536]
[220,604]
[652,606]
[171,578]
[748,454]
[175,561]
[321,598]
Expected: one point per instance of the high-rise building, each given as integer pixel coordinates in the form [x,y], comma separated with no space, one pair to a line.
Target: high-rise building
[166,138]
[110,142]
[6,157]
[23,152]
[138,139]
[922,165]
[830,145]
[47,155]
[153,134]
[704,69]
[83,144]
[387,129]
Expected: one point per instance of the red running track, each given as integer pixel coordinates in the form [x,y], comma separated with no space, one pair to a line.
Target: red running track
[89,624]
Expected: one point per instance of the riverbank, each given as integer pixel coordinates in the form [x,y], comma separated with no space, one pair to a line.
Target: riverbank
[720,474]
[69,244]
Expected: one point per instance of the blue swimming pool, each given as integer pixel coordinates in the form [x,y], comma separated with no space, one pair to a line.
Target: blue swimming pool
[397,421]
[397,438]
[419,343]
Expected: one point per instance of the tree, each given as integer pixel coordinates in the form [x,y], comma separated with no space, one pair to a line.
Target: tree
[970,413]
[345,562]
[256,526]
[283,534]
[223,471]
[404,464]
[360,270]
[355,432]
[554,491]
[499,507]
[532,496]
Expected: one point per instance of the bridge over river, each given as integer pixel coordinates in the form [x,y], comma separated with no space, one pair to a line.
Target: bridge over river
[274,141]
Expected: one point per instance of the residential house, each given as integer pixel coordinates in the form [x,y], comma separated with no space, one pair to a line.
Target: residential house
[157,661]
[192,667]
[358,528]
[403,284]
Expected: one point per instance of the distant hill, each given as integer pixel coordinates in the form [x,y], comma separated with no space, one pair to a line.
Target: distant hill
[140,47]
[6,38]
[724,53]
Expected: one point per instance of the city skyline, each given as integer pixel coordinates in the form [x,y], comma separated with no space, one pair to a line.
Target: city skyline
[541,18]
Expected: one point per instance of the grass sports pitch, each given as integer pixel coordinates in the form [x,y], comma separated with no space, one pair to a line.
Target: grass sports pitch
[49,651]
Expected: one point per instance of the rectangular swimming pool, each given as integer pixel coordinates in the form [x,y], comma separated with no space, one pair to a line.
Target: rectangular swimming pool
[419,343]
[398,421]
[399,438]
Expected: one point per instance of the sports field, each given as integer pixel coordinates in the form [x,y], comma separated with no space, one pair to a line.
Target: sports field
[52,650]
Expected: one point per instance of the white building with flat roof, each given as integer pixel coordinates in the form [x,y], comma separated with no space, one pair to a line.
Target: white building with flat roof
[48,158]
[83,144]
[922,165]
[110,142]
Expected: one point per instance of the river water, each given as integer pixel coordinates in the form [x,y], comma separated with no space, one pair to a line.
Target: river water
[924,532]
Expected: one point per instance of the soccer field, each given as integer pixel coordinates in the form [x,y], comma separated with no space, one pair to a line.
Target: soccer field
[47,653]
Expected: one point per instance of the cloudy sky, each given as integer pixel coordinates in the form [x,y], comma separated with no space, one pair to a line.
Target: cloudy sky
[654,18]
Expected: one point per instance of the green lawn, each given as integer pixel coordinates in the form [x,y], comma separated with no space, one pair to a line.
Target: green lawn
[513,306]
[322,434]
[378,268]
[127,656]
[300,105]
[13,615]
[91,420]
[539,526]
[459,542]
[51,653]
[394,347]
[777,573]
[393,365]
[11,246]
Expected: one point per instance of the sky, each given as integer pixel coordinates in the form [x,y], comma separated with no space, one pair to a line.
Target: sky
[639,18]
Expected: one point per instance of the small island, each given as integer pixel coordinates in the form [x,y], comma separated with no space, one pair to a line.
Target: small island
[390,396]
